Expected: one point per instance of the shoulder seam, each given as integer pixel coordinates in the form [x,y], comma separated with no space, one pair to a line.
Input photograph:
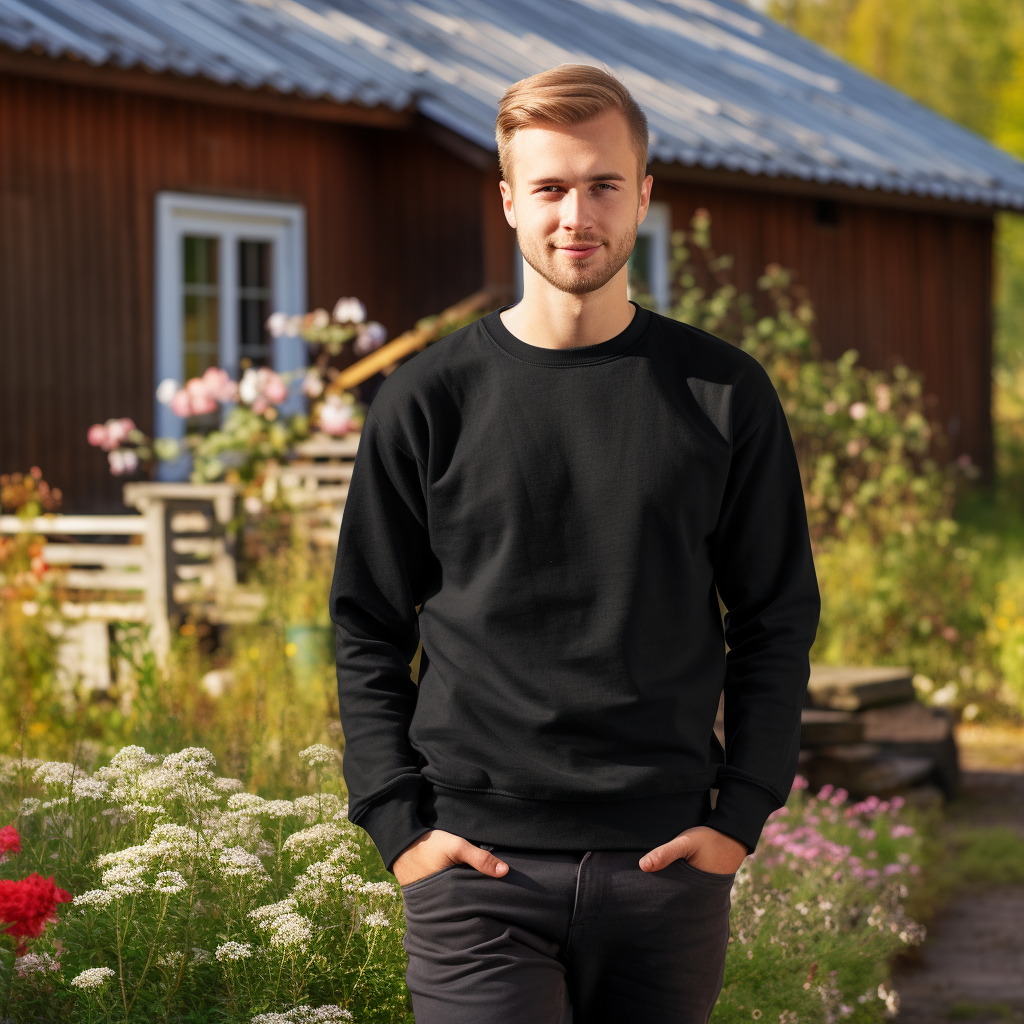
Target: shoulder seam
[390,439]
[761,419]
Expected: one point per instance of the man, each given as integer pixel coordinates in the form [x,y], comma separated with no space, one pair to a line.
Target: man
[560,487]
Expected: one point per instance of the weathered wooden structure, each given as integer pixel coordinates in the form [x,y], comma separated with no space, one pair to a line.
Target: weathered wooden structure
[373,134]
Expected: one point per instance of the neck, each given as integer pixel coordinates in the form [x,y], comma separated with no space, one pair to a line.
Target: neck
[550,318]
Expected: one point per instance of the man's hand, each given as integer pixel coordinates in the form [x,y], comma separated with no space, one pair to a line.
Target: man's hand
[703,847]
[435,850]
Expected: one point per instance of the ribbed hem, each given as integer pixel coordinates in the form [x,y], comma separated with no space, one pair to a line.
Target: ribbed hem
[741,810]
[393,823]
[632,824]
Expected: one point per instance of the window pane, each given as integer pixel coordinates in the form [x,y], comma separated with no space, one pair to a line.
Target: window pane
[255,295]
[201,296]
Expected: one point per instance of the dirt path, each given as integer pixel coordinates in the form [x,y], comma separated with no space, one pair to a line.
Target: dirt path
[971,965]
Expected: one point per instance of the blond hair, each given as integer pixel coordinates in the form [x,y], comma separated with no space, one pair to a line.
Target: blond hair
[566,95]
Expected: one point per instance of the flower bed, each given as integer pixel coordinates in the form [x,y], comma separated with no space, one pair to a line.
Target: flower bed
[818,912]
[194,900]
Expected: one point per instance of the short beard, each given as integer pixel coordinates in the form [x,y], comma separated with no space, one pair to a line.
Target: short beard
[578,280]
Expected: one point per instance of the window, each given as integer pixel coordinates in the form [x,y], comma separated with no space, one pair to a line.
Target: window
[648,264]
[222,267]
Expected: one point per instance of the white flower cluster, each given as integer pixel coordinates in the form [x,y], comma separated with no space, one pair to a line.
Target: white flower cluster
[311,808]
[92,977]
[291,930]
[94,898]
[89,789]
[319,755]
[226,785]
[192,763]
[304,1015]
[245,802]
[170,883]
[314,838]
[32,963]
[237,862]
[287,927]
[233,951]
[57,773]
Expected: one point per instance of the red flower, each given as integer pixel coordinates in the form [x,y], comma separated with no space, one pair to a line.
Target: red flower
[26,905]
[10,841]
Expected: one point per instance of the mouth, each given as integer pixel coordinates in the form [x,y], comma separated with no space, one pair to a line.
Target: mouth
[578,251]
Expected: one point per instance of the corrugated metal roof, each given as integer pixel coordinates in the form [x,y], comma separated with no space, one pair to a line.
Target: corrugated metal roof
[723,86]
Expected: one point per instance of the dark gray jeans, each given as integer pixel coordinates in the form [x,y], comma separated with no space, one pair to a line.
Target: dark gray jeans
[567,938]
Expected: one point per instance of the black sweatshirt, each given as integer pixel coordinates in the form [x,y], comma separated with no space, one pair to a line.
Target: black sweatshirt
[562,518]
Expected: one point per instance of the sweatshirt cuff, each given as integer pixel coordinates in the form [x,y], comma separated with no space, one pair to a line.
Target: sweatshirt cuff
[741,810]
[393,823]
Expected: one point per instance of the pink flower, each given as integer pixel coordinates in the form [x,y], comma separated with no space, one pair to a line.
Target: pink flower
[799,782]
[123,461]
[858,410]
[826,791]
[335,416]
[901,831]
[218,385]
[97,435]
[274,388]
[371,337]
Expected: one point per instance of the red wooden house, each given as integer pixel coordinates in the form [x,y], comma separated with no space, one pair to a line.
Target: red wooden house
[170,171]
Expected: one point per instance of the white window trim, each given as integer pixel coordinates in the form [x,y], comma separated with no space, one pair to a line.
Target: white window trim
[182,213]
[657,226]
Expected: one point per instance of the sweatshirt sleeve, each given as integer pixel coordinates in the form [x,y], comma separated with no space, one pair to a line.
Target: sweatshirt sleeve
[381,574]
[765,575]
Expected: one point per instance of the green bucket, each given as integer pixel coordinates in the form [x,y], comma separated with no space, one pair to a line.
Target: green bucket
[308,647]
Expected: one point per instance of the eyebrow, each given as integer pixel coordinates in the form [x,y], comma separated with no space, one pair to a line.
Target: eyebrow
[610,176]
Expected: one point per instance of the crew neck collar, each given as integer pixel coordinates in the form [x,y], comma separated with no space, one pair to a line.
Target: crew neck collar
[576,356]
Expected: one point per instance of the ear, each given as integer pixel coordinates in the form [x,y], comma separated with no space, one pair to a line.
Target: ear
[645,199]
[506,203]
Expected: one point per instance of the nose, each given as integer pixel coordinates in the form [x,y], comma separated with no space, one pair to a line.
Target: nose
[574,215]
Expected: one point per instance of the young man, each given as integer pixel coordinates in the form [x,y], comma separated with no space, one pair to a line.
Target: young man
[560,487]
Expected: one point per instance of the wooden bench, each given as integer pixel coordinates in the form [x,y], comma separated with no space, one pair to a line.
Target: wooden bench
[112,570]
[316,484]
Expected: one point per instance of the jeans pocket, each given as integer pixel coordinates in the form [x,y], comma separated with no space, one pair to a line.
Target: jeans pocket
[427,879]
[710,876]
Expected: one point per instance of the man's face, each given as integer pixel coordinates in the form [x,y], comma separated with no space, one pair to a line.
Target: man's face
[577,200]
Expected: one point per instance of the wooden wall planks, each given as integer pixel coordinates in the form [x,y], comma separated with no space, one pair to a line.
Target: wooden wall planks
[399,221]
[897,285]
[387,221]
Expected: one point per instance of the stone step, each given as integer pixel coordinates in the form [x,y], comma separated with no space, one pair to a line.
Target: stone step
[821,727]
[853,688]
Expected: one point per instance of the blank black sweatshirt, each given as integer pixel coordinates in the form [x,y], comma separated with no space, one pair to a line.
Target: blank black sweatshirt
[562,517]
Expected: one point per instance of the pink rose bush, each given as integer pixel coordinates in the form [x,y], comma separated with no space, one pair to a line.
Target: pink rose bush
[126,446]
[346,323]
[253,431]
